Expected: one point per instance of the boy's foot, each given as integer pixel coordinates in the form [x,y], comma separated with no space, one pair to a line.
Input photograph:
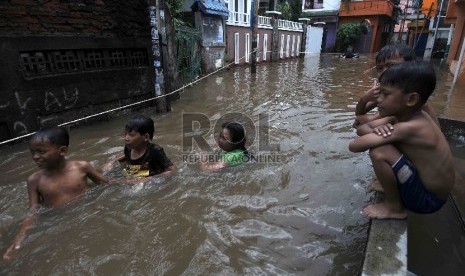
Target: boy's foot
[383,211]
[375,186]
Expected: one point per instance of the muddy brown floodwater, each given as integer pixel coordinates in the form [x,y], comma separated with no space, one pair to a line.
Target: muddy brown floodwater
[298,213]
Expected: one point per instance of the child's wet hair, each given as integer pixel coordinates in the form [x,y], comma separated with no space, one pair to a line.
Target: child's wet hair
[389,51]
[237,132]
[141,124]
[413,76]
[55,135]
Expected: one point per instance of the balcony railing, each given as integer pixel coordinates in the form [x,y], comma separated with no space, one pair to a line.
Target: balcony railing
[264,22]
[243,19]
[290,25]
[365,8]
[239,19]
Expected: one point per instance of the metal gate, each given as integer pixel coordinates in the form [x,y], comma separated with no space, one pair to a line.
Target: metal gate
[314,39]
[188,54]
[364,43]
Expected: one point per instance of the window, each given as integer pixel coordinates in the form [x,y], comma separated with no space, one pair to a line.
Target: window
[287,45]
[293,46]
[247,47]
[212,31]
[236,48]
[265,45]
[258,47]
[313,4]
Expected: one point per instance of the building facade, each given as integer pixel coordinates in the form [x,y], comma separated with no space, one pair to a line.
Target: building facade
[379,14]
[323,13]
[276,38]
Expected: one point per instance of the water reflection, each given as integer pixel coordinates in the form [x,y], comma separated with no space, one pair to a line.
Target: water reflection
[299,216]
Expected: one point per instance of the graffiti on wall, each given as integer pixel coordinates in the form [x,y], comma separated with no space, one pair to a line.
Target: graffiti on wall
[154,32]
[156,52]
[61,101]
[50,101]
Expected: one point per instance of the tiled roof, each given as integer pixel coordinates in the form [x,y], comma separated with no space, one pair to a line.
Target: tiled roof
[216,7]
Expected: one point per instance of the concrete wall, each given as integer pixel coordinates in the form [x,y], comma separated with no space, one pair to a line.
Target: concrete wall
[212,58]
[231,32]
[212,30]
[242,31]
[63,60]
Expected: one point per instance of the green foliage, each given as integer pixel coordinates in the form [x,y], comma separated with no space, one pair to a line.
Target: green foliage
[348,34]
[175,7]
[290,9]
[285,10]
[296,9]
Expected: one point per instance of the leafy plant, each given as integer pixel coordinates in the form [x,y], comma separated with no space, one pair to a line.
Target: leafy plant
[285,10]
[290,9]
[296,9]
[348,34]
[175,7]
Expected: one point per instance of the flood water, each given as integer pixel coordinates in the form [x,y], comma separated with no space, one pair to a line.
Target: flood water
[297,214]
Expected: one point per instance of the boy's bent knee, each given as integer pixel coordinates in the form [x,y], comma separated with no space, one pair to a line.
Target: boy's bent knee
[385,152]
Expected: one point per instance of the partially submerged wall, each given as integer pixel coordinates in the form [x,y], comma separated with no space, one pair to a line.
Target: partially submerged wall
[63,60]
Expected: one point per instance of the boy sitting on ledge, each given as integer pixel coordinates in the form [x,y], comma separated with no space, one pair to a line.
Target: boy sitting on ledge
[410,155]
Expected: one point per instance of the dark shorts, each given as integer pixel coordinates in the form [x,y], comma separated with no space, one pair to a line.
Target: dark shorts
[413,194]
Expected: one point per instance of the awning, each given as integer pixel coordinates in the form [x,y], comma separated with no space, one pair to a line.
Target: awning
[215,7]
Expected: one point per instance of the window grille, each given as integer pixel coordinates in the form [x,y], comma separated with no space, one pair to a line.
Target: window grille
[53,62]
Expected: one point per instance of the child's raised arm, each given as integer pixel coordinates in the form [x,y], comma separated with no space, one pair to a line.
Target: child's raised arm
[93,174]
[211,167]
[31,218]
[169,171]
[368,100]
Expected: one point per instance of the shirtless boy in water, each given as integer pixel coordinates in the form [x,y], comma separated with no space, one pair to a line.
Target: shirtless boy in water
[58,180]
[410,155]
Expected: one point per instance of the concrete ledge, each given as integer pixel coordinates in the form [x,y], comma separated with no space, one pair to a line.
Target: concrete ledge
[386,251]
[452,129]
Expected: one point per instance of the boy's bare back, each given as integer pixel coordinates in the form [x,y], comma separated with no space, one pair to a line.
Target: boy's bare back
[422,141]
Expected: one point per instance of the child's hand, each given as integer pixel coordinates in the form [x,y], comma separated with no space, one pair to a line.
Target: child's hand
[383,130]
[372,94]
[8,255]
[108,167]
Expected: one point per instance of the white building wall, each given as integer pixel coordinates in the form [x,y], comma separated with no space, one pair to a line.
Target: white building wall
[328,5]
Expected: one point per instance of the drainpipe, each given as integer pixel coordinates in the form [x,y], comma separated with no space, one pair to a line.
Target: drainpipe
[459,63]
[449,39]
[438,18]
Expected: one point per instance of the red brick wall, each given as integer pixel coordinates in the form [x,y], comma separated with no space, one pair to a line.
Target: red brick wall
[102,18]
[65,59]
